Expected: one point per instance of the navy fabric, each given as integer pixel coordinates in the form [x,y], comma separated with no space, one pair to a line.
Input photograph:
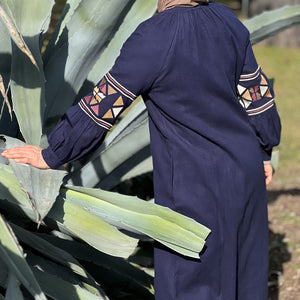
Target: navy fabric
[213,121]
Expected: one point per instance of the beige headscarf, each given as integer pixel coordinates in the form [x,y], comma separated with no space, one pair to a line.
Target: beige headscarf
[165,4]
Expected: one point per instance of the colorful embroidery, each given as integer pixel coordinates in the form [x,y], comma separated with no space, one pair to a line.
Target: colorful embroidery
[261,109]
[247,77]
[108,99]
[258,89]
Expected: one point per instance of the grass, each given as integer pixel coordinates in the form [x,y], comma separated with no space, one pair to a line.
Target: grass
[283,64]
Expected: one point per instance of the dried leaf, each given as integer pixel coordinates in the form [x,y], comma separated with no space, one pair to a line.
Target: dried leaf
[15,35]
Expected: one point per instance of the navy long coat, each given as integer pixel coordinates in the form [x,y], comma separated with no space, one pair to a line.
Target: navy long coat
[213,122]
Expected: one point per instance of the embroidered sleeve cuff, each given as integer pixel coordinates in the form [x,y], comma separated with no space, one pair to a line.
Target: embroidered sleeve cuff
[51,158]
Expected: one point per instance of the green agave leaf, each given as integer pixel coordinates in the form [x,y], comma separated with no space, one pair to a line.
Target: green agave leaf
[87,33]
[12,254]
[27,82]
[115,265]
[91,229]
[10,188]
[60,289]
[272,22]
[41,186]
[140,11]
[59,271]
[48,250]
[136,215]
[70,218]
[13,291]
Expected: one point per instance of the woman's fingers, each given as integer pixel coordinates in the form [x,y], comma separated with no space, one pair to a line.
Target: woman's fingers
[27,154]
[268,173]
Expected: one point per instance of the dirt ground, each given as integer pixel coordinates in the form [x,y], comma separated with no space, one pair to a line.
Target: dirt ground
[284,227]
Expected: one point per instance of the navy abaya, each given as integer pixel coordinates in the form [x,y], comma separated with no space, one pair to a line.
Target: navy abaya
[213,123]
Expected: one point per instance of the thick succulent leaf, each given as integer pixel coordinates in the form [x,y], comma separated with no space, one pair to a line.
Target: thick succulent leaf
[138,216]
[27,82]
[131,140]
[12,254]
[46,249]
[58,289]
[61,272]
[272,22]
[69,217]
[140,11]
[115,265]
[41,186]
[11,193]
[91,229]
[87,33]
[13,291]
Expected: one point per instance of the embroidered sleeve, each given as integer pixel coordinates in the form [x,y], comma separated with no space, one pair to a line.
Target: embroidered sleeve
[84,126]
[106,102]
[256,95]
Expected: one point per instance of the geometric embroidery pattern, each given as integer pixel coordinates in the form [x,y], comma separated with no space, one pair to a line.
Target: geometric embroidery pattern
[107,100]
[249,92]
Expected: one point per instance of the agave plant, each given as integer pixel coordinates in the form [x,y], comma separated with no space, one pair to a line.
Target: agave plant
[90,242]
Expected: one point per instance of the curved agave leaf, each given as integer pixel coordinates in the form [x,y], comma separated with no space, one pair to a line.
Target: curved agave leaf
[181,233]
[69,217]
[27,82]
[86,34]
[272,22]
[58,289]
[12,254]
[92,229]
[48,250]
[41,186]
[13,291]
[122,268]
[61,273]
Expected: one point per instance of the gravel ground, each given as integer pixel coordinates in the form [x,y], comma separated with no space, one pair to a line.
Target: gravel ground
[284,226]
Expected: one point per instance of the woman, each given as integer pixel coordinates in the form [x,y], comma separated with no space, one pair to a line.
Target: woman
[213,123]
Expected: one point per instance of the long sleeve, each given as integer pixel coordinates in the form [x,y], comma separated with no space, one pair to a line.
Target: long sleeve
[84,126]
[256,95]
[74,136]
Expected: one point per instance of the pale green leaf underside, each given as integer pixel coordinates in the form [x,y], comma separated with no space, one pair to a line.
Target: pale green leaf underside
[41,186]
[135,215]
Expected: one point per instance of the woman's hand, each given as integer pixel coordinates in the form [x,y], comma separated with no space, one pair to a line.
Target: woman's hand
[27,154]
[268,173]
